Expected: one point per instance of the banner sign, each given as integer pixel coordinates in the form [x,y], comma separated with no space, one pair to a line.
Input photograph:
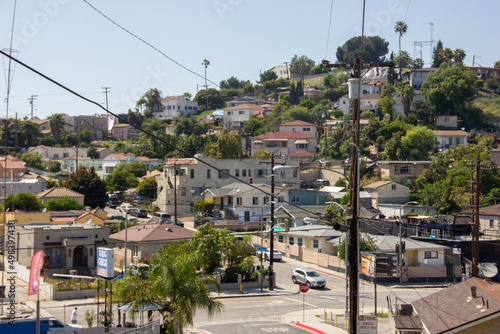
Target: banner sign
[36,267]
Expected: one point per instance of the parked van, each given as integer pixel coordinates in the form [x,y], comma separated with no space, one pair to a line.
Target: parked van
[162,217]
[320,183]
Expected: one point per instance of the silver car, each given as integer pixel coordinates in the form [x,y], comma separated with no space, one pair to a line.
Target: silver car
[308,276]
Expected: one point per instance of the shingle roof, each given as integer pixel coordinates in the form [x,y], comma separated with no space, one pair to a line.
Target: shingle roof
[58,192]
[173,98]
[152,231]
[181,161]
[314,231]
[450,133]
[492,210]
[297,122]
[284,135]
[454,306]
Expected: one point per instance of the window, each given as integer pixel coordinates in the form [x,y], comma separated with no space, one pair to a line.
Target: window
[239,201]
[295,199]
[183,191]
[135,250]
[169,108]
[209,173]
[237,172]
[280,199]
[255,201]
[315,244]
[191,172]
[430,255]
[492,223]
[295,173]
[393,186]
[266,200]
[299,242]
[402,169]
[243,172]
[241,112]
[65,155]
[294,130]
[56,156]
[306,129]
[280,238]
[300,145]
[290,240]
[316,200]
[229,113]
[260,172]
[197,191]
[223,173]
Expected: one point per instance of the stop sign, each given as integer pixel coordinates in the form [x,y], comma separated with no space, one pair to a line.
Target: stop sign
[303,287]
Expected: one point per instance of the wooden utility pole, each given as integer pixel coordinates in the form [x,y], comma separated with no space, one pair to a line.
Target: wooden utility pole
[475,235]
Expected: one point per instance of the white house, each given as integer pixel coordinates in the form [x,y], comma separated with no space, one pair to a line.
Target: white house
[111,161]
[447,138]
[282,71]
[418,76]
[58,153]
[446,121]
[70,164]
[235,117]
[176,106]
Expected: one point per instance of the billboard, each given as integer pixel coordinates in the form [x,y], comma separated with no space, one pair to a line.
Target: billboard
[105,262]
[368,264]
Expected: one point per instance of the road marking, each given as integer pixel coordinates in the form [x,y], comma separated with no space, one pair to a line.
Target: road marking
[300,302]
[336,299]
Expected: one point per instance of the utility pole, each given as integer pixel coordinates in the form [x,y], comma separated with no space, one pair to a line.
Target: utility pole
[206,63]
[32,99]
[106,91]
[287,74]
[475,235]
[271,243]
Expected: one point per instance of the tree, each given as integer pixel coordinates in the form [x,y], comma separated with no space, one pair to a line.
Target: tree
[211,244]
[437,56]
[136,168]
[32,160]
[56,123]
[187,95]
[416,144]
[406,93]
[333,80]
[92,152]
[151,102]
[400,28]
[449,89]
[85,136]
[63,204]
[263,155]
[292,95]
[366,244]
[157,128]
[214,98]
[318,69]
[135,117]
[227,146]
[147,188]
[301,66]
[497,64]
[403,59]
[27,133]
[88,183]
[374,51]
[268,76]
[23,202]
[54,166]
[459,56]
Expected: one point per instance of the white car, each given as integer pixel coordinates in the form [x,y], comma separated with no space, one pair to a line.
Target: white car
[264,251]
[308,276]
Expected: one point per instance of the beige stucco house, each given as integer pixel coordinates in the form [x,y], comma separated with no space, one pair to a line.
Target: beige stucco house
[388,192]
[402,171]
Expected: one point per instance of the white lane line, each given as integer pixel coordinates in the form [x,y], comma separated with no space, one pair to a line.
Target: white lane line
[300,302]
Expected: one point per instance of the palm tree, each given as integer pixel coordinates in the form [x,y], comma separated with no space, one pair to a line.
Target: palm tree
[56,124]
[401,29]
[175,287]
[406,93]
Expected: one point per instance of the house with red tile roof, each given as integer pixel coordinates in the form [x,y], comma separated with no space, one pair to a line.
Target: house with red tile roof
[111,161]
[12,167]
[145,239]
[235,117]
[302,156]
[150,162]
[284,142]
[299,126]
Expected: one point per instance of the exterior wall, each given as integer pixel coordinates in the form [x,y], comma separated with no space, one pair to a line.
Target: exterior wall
[282,71]
[307,197]
[489,225]
[69,166]
[392,210]
[447,121]
[124,132]
[58,153]
[438,262]
[398,105]
[447,141]
[417,78]
[237,117]
[23,186]
[309,129]
[98,126]
[181,107]
[386,194]
[389,171]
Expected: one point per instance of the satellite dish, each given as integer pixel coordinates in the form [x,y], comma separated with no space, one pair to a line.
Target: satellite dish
[488,269]
[89,220]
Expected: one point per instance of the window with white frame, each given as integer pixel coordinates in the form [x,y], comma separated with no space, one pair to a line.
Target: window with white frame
[239,201]
[290,240]
[135,250]
[255,201]
[237,172]
[280,238]
[300,242]
[315,243]
[430,255]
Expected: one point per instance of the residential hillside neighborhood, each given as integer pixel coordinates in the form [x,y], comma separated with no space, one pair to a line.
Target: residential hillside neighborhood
[226,191]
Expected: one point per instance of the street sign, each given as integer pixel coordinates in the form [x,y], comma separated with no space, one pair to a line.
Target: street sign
[367,324]
[278,229]
[303,287]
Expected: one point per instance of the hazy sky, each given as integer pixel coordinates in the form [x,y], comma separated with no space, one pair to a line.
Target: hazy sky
[71,42]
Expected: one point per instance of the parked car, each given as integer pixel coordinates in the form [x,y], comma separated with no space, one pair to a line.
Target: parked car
[113,203]
[141,200]
[139,213]
[308,276]
[323,162]
[265,253]
[126,207]
[178,222]
[162,217]
[118,217]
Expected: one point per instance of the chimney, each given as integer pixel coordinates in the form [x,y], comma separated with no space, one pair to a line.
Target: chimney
[473,291]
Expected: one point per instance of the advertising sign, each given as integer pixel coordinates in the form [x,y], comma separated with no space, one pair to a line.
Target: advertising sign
[105,262]
[368,264]
[36,266]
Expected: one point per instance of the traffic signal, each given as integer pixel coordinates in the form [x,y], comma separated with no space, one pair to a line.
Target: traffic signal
[397,249]
[403,246]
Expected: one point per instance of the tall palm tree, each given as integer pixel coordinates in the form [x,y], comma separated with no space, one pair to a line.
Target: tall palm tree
[56,124]
[406,93]
[400,28]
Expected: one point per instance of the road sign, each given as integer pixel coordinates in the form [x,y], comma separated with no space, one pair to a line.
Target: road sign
[303,287]
[278,229]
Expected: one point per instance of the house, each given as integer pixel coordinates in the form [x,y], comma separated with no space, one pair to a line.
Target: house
[365,198]
[485,72]
[176,106]
[299,126]
[143,240]
[283,142]
[447,138]
[312,237]
[244,202]
[235,117]
[267,109]
[149,162]
[124,132]
[294,216]
[67,246]
[367,102]
[471,306]
[303,157]
[111,161]
[60,193]
[394,210]
[418,76]
[45,129]
[96,125]
[12,167]
[191,178]
[446,121]
[339,124]
[15,187]
[388,192]
[71,164]
[58,153]
[402,171]
[281,71]
[234,101]
[489,220]
[96,216]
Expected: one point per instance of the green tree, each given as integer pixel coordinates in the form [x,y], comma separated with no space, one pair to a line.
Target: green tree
[88,183]
[497,64]
[263,155]
[23,202]
[366,244]
[374,51]
[400,28]
[136,168]
[56,123]
[48,141]
[54,166]
[318,69]
[155,127]
[32,160]
[121,180]
[268,76]
[301,66]
[92,152]
[292,95]
[211,245]
[416,144]
[27,133]
[437,56]
[333,80]
[135,117]
[459,56]
[63,204]
[85,136]
[227,146]
[406,93]
[147,188]
[252,125]
[214,98]
[319,113]
[150,102]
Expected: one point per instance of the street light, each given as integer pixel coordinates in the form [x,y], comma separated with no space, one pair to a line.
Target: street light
[261,239]
[400,251]
[126,226]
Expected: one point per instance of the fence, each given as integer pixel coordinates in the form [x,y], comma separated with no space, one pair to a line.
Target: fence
[152,327]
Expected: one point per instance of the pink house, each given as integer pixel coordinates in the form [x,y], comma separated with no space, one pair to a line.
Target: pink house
[284,142]
[124,131]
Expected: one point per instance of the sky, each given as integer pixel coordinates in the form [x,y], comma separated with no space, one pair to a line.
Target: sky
[72,43]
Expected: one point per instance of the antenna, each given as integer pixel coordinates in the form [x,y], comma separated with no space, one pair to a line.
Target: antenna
[488,269]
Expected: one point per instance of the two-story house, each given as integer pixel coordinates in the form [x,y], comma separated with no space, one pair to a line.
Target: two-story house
[111,161]
[235,117]
[418,76]
[284,143]
[299,126]
[176,106]
[58,153]
[124,131]
[402,171]
[489,220]
[388,192]
[97,125]
[12,167]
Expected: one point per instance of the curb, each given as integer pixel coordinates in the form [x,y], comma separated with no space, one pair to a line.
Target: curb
[257,295]
[310,328]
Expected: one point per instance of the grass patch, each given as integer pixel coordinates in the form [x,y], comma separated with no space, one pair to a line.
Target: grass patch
[63,284]
[381,315]
[490,107]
